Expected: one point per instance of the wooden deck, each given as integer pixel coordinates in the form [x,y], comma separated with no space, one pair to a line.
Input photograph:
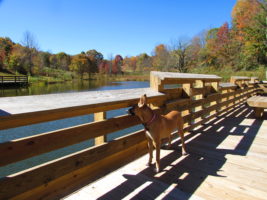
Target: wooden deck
[227,160]
[226,157]
[13,80]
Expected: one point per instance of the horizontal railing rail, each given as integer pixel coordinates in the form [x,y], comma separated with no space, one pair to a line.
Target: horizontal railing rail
[13,79]
[199,98]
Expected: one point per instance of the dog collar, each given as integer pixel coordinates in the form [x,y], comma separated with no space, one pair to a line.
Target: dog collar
[149,122]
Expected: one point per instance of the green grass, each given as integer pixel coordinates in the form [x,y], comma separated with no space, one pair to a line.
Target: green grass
[56,76]
[6,74]
[123,77]
[227,72]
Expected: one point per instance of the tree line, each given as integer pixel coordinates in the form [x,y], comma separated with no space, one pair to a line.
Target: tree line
[240,45]
[25,59]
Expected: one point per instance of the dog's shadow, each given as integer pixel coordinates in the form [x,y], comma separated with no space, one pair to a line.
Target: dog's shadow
[182,175]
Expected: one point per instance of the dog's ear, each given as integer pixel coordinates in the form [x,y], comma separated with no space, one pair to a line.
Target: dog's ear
[142,101]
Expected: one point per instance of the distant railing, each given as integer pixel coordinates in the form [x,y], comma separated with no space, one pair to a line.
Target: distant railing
[13,79]
[199,98]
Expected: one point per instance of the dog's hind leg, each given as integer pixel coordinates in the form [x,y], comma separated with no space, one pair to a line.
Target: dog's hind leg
[158,156]
[181,134]
[169,142]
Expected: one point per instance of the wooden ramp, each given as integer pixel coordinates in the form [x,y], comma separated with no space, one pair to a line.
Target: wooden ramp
[227,160]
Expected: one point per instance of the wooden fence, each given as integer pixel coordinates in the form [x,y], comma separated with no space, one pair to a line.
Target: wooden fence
[4,80]
[199,98]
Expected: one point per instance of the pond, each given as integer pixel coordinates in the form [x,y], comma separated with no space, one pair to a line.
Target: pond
[70,86]
[24,131]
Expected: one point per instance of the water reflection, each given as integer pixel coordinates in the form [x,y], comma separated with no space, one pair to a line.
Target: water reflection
[68,86]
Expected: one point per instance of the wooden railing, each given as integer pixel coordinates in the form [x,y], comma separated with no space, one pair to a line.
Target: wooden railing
[199,98]
[13,79]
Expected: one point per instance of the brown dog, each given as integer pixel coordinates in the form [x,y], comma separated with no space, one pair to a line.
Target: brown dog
[158,127]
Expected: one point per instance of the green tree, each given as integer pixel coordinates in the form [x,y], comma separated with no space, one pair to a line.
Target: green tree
[44,62]
[17,59]
[249,24]
[143,62]
[63,61]
[161,57]
[80,64]
[95,58]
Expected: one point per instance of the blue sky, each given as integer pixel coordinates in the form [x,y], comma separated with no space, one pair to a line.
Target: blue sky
[126,27]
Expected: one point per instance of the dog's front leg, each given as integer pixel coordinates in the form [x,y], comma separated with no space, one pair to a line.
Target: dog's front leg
[150,150]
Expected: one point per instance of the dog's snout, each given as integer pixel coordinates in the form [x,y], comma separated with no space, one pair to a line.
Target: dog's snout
[131,112]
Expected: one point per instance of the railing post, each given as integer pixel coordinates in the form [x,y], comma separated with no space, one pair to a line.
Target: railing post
[155,83]
[215,86]
[187,88]
[99,117]
[199,84]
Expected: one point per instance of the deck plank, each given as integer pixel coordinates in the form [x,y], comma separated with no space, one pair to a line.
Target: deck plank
[223,163]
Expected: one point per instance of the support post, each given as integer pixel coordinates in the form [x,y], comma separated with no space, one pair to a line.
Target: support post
[215,86]
[187,89]
[155,83]
[99,117]
[199,84]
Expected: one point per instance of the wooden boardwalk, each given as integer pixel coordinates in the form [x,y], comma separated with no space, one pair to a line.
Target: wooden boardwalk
[227,160]
[13,80]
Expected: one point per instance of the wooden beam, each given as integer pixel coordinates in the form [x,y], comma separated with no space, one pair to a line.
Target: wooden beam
[23,148]
[71,182]
[17,120]
[16,184]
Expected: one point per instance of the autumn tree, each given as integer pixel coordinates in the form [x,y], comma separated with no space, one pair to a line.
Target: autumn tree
[222,46]
[129,63]
[103,67]
[5,50]
[144,62]
[44,62]
[30,51]
[193,52]
[180,56]
[80,64]
[161,57]
[17,59]
[249,24]
[63,61]
[95,58]
[117,63]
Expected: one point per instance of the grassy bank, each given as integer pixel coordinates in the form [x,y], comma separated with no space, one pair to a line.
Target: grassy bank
[227,72]
[60,77]
[124,77]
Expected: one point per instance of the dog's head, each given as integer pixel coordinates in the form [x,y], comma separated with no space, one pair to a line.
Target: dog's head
[141,109]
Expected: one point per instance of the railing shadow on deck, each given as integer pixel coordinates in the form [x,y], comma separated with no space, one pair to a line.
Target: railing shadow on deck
[204,159]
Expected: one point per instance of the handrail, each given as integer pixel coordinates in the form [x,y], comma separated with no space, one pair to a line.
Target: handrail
[62,106]
[13,79]
[199,98]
